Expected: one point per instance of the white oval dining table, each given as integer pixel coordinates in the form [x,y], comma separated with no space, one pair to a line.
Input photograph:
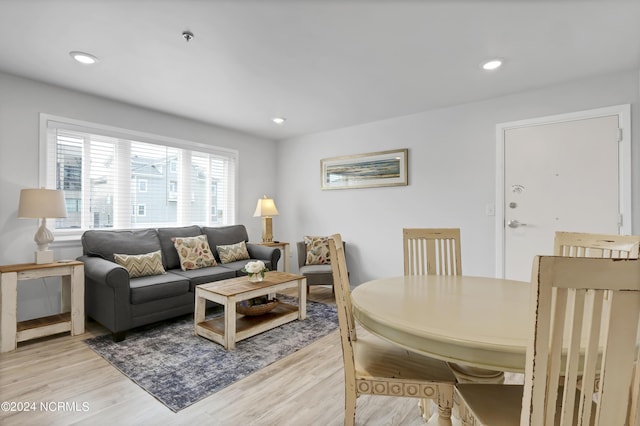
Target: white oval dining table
[472,321]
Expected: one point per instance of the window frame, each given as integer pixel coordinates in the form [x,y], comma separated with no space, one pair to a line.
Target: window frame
[117,132]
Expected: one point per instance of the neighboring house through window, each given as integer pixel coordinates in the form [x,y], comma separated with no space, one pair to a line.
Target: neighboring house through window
[116,178]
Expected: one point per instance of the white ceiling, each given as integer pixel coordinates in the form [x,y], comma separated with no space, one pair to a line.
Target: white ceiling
[322,64]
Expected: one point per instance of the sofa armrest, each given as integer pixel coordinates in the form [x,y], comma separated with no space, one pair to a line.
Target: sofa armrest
[105,272]
[264,253]
[107,293]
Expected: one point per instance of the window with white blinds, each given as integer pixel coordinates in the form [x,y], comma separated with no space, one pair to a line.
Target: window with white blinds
[119,179]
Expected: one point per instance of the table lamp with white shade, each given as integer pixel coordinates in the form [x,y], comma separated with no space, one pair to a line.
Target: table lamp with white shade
[42,204]
[265,209]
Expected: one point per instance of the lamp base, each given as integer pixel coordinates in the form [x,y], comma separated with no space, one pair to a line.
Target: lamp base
[44,256]
[267,230]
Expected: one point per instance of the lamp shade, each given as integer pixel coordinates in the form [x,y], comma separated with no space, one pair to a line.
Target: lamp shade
[41,203]
[265,208]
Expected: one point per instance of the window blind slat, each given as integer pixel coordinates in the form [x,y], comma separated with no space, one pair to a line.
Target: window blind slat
[117,180]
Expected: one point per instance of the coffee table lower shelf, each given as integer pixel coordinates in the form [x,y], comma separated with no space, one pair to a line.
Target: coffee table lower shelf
[247,326]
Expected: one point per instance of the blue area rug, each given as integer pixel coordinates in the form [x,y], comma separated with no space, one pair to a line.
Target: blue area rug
[179,368]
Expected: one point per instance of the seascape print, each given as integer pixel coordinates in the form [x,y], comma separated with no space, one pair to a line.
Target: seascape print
[387,168]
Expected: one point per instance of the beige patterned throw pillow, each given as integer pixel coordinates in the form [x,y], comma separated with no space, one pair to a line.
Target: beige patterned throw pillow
[141,265]
[233,252]
[317,250]
[194,252]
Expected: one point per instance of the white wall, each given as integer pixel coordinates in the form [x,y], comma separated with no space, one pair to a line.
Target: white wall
[452,171]
[21,102]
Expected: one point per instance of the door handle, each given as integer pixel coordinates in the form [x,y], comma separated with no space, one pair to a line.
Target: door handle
[515,224]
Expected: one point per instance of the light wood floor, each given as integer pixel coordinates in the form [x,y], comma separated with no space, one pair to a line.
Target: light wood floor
[305,388]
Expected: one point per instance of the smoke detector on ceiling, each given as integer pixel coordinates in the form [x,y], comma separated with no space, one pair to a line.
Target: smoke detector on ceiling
[187,35]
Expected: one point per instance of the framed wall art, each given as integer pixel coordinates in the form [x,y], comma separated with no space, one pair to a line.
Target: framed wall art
[384,168]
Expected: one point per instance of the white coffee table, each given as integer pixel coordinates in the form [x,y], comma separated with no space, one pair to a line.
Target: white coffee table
[232,327]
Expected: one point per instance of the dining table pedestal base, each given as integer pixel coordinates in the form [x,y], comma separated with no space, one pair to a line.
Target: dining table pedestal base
[467,374]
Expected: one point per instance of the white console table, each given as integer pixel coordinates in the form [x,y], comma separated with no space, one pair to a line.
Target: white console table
[72,316]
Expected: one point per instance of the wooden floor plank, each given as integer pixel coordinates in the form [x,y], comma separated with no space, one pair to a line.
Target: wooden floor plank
[305,388]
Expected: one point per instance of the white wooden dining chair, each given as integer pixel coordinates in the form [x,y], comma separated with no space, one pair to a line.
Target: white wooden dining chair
[578,244]
[437,251]
[572,336]
[432,251]
[376,367]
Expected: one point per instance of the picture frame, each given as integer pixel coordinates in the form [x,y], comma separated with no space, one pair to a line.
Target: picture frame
[375,169]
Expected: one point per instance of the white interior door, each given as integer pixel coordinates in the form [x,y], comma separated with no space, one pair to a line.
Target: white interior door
[558,177]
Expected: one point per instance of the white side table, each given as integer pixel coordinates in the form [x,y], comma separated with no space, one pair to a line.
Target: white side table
[284,247]
[72,316]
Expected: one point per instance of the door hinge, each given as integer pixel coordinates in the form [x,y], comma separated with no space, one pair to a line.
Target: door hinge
[619,135]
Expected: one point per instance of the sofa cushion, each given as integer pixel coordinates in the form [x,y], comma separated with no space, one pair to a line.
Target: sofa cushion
[105,243]
[141,265]
[225,235]
[194,252]
[317,249]
[147,289]
[317,274]
[166,235]
[205,275]
[233,252]
[315,269]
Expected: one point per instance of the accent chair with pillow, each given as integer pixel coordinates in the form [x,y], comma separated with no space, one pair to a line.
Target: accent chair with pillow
[314,261]
[138,277]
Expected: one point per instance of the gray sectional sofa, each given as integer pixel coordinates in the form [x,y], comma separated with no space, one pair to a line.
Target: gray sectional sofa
[120,303]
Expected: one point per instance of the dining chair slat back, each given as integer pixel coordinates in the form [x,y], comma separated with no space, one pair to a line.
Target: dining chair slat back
[376,367]
[432,251]
[578,244]
[575,338]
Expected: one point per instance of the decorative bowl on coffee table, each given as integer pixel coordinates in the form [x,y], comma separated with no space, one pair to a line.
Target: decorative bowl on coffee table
[245,308]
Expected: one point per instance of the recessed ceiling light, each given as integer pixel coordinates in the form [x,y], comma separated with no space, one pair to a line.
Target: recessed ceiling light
[279,120]
[493,64]
[83,58]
